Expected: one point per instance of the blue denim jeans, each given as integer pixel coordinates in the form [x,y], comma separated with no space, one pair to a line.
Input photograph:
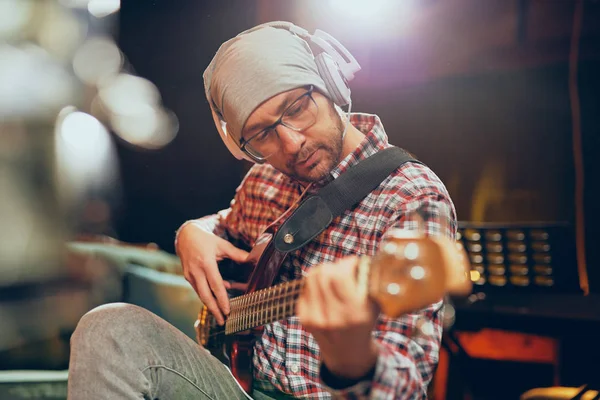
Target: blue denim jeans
[122,351]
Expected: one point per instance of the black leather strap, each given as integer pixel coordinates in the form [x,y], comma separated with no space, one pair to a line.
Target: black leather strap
[316,212]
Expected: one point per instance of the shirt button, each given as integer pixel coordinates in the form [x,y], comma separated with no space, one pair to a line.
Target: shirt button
[295,368]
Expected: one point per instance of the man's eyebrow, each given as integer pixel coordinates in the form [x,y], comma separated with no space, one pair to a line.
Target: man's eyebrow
[280,109]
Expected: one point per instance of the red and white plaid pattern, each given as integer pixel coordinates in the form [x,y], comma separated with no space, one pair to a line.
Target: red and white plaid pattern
[286,358]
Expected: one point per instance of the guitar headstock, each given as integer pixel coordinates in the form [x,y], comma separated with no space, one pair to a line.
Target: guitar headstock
[411,271]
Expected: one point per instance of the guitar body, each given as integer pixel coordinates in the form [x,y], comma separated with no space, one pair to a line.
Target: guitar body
[235,352]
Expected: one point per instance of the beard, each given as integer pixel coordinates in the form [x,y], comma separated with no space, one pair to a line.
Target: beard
[330,148]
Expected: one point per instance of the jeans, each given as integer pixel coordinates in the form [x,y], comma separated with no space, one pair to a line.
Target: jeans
[122,351]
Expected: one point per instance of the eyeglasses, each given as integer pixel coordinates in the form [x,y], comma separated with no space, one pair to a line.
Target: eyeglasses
[298,116]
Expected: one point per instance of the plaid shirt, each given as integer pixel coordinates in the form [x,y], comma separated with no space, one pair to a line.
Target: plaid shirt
[286,357]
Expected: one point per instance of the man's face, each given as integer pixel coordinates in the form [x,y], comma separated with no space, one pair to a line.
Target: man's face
[307,155]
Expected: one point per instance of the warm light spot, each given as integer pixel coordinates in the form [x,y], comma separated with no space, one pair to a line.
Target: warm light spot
[82,132]
[150,128]
[427,328]
[393,289]
[362,9]
[417,272]
[103,8]
[128,94]
[14,14]
[390,248]
[75,3]
[96,59]
[475,275]
[411,251]
[85,155]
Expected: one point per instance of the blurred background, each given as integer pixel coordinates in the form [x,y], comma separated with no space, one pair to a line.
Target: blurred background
[107,146]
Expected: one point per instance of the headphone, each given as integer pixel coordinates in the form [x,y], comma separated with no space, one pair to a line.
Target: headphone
[335,65]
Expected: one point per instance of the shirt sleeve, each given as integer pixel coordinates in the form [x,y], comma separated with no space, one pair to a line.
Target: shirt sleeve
[409,345]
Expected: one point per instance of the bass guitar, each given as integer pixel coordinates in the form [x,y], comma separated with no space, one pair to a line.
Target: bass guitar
[409,272]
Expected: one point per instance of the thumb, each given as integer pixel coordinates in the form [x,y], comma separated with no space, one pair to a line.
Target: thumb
[234,253]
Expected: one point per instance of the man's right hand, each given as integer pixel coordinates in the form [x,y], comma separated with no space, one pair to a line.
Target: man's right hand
[199,252]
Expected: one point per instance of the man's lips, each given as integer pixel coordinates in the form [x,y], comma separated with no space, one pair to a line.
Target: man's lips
[309,159]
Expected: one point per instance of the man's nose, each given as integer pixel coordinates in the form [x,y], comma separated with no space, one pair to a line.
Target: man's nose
[291,140]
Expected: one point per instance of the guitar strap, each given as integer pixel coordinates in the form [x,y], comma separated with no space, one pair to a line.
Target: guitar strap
[317,211]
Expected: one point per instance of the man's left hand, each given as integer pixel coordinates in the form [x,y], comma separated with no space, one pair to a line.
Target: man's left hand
[341,320]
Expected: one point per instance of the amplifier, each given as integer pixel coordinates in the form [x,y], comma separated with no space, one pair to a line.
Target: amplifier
[520,257]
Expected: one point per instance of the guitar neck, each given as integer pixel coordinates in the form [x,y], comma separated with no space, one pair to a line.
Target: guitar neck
[263,306]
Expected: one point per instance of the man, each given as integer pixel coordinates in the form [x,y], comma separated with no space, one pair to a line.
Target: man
[272,106]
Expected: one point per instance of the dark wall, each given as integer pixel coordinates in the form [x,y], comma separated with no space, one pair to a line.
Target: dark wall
[171,43]
[501,141]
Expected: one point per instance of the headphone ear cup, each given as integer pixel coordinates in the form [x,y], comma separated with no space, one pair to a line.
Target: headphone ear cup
[334,82]
[228,140]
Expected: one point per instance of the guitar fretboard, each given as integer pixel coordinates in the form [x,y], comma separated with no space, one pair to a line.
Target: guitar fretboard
[263,307]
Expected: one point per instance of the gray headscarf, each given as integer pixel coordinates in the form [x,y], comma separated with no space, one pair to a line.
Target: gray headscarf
[254,66]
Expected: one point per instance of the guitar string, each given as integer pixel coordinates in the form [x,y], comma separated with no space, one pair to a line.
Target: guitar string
[255,296]
[277,312]
[281,310]
[256,315]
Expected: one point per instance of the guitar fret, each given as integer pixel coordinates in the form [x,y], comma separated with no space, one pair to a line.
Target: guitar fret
[253,309]
[260,301]
[247,303]
[236,314]
[290,300]
[271,304]
[229,321]
[279,316]
[249,312]
[257,309]
[282,301]
[250,307]
[242,312]
[285,300]
[264,306]
[232,315]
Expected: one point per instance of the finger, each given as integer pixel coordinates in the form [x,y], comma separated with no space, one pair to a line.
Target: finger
[217,286]
[235,285]
[344,285]
[209,301]
[234,253]
[302,310]
[341,287]
[188,277]
[331,303]
[239,286]
[314,299]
